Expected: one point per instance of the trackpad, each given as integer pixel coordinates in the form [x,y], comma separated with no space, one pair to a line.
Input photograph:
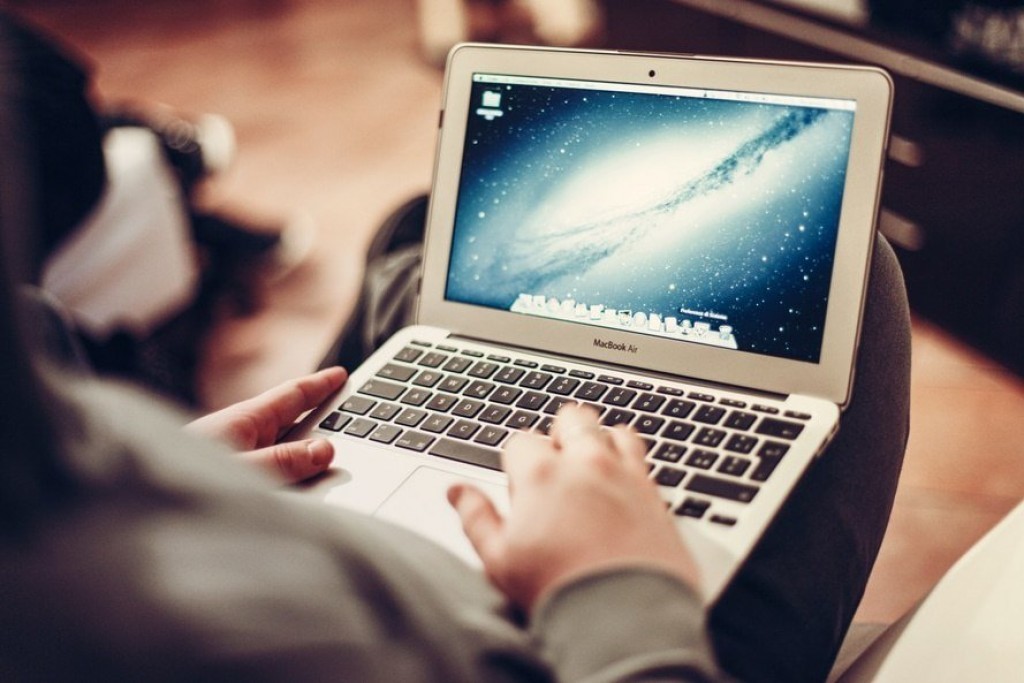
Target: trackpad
[421,504]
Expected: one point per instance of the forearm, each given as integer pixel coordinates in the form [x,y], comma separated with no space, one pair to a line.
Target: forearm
[625,625]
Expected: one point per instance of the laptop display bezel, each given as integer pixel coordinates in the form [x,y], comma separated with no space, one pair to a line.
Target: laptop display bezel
[831,377]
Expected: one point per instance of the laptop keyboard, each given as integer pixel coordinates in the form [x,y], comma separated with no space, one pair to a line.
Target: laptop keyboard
[463,404]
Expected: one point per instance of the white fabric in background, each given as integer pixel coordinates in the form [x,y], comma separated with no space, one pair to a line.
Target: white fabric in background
[132,263]
[968,628]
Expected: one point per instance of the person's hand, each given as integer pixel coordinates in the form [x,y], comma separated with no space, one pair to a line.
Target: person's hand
[254,426]
[581,502]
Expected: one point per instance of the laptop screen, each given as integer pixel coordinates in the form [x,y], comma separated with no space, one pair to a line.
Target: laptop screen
[703,216]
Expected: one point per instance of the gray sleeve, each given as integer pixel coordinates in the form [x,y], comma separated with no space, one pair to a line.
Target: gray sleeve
[625,625]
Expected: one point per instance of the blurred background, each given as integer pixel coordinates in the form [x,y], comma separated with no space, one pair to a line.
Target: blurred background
[334,105]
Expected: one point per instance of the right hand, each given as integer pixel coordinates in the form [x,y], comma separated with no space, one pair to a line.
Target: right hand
[581,502]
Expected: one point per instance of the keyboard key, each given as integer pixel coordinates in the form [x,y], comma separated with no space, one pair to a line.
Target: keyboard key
[483,369]
[557,369]
[709,414]
[416,397]
[473,354]
[436,423]
[506,395]
[401,373]
[563,386]
[649,403]
[385,434]
[411,417]
[698,396]
[408,355]
[669,452]
[360,427]
[494,414]
[721,488]
[649,424]
[702,459]
[591,391]
[524,363]
[442,402]
[433,359]
[522,420]
[732,403]
[642,386]
[445,347]
[608,379]
[796,415]
[679,408]
[452,384]
[670,391]
[498,359]
[491,435]
[536,380]
[619,396]
[385,411]
[723,520]
[509,375]
[617,416]
[693,507]
[479,389]
[414,441]
[358,405]
[428,378]
[556,403]
[419,342]
[463,429]
[771,426]
[771,410]
[741,443]
[457,364]
[773,449]
[709,437]
[668,476]
[740,420]
[454,449]
[734,466]
[467,407]
[544,426]
[532,400]
[382,389]
[764,469]
[769,456]
[581,374]
[678,431]
[335,422]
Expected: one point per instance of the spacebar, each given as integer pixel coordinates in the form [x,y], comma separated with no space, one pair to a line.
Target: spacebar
[468,453]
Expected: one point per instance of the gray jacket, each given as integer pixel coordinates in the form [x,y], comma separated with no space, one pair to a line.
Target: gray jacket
[177,563]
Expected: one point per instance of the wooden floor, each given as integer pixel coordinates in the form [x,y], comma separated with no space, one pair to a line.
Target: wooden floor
[336,115]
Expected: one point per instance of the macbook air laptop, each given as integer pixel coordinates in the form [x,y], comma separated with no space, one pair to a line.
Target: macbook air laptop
[680,242]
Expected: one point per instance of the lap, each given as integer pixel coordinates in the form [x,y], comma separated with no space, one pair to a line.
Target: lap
[785,614]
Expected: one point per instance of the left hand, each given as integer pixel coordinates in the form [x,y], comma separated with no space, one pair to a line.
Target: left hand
[254,426]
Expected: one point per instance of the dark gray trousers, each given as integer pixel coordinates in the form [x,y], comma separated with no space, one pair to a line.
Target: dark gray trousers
[784,616]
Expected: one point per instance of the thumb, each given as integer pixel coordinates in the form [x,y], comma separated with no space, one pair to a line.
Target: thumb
[481,523]
[293,461]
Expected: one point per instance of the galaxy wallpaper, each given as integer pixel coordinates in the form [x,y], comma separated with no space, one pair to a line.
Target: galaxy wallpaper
[712,210]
